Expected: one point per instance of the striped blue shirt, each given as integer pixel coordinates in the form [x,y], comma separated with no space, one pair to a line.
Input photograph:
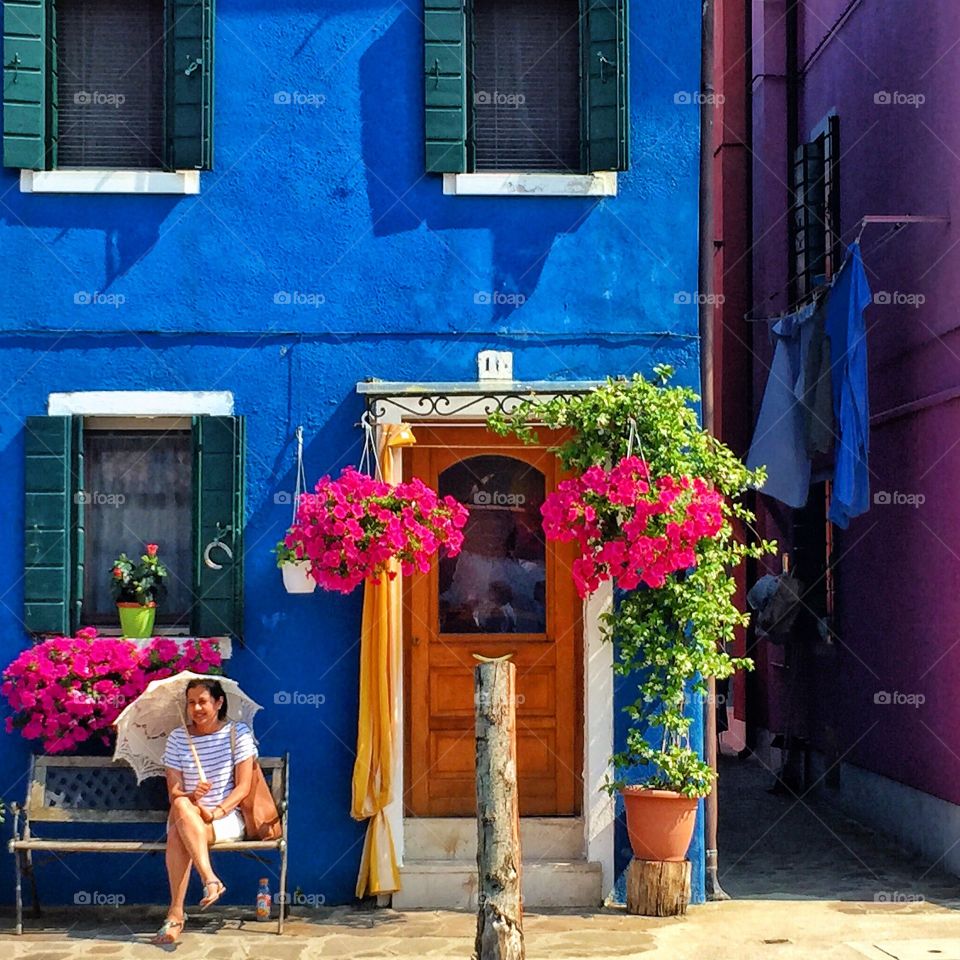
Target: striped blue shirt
[214,752]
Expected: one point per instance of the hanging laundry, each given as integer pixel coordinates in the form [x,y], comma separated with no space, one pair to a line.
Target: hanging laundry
[846,329]
[780,437]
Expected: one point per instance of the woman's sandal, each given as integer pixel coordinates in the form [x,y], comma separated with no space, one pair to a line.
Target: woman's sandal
[209,899]
[165,934]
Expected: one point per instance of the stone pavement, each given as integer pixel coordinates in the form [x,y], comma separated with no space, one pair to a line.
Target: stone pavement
[808,883]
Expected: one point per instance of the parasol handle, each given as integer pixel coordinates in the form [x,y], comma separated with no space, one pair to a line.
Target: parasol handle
[193,750]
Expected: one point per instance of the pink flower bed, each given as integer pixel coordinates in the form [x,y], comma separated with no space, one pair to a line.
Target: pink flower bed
[630,527]
[352,527]
[67,690]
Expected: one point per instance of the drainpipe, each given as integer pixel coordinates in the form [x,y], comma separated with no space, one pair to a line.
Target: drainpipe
[706,324]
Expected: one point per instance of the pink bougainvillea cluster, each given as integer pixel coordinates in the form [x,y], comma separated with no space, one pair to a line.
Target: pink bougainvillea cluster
[352,527]
[630,527]
[67,690]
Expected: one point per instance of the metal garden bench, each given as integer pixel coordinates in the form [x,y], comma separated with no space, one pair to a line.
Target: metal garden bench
[96,790]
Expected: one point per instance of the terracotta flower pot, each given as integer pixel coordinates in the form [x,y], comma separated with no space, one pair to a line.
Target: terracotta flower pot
[136,620]
[296,579]
[660,822]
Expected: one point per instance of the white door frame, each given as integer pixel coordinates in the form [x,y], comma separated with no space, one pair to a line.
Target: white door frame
[599,809]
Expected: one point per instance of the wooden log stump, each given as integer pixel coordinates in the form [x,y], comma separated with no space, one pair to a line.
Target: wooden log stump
[500,909]
[658,888]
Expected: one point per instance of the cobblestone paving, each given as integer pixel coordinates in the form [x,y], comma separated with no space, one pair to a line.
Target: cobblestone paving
[807,882]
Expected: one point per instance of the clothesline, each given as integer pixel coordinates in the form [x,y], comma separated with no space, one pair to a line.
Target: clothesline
[898,222]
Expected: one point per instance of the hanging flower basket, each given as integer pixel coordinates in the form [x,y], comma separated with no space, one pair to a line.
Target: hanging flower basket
[631,528]
[355,528]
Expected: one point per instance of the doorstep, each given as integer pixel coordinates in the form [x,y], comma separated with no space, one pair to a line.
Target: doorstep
[440,866]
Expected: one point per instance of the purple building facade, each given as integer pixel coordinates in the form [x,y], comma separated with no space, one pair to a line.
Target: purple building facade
[853,113]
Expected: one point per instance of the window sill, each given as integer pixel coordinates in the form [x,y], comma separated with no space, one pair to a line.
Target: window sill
[181,182]
[224,644]
[603,184]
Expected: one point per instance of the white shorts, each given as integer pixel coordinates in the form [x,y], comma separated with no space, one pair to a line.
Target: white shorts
[228,828]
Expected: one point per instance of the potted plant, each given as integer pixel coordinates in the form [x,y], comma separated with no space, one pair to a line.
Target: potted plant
[137,589]
[358,528]
[662,525]
[295,567]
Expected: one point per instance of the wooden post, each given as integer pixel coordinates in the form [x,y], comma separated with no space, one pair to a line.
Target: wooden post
[500,908]
[658,888]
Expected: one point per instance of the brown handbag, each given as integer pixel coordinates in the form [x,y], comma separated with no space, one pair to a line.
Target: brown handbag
[261,819]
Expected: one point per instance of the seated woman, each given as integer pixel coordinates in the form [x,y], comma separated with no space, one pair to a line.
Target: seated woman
[203,812]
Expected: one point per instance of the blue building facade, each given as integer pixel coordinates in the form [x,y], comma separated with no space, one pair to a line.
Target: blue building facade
[320,253]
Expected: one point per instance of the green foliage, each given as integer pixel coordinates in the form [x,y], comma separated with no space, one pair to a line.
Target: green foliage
[285,554]
[673,637]
[141,582]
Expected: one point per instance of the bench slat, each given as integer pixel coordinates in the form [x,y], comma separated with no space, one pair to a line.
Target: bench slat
[130,846]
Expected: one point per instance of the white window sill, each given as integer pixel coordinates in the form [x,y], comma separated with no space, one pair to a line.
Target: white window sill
[224,644]
[602,184]
[110,181]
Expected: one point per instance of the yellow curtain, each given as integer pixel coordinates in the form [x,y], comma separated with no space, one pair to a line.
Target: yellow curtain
[376,733]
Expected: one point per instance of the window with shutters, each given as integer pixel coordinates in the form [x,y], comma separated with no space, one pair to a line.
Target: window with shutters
[99,486]
[108,85]
[538,88]
[816,249]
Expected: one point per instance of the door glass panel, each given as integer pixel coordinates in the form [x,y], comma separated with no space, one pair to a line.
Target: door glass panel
[497,583]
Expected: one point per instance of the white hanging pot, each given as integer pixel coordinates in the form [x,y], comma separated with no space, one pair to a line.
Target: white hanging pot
[296,579]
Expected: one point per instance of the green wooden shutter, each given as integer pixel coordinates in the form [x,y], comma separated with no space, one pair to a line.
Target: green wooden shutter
[445,66]
[190,84]
[218,466]
[53,542]
[29,84]
[606,108]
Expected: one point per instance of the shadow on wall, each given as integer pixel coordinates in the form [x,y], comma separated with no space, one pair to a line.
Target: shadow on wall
[130,230]
[403,197]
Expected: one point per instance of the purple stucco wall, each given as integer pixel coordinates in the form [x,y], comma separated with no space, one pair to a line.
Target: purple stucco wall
[889,70]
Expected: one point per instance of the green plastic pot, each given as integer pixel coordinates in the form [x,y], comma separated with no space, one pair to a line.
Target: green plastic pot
[136,620]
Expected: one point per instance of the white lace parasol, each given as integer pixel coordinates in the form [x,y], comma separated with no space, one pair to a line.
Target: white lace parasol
[144,724]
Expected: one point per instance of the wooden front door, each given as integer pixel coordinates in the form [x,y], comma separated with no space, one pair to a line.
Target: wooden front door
[508,591]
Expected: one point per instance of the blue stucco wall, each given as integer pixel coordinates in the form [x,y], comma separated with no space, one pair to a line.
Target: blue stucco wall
[329,202]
